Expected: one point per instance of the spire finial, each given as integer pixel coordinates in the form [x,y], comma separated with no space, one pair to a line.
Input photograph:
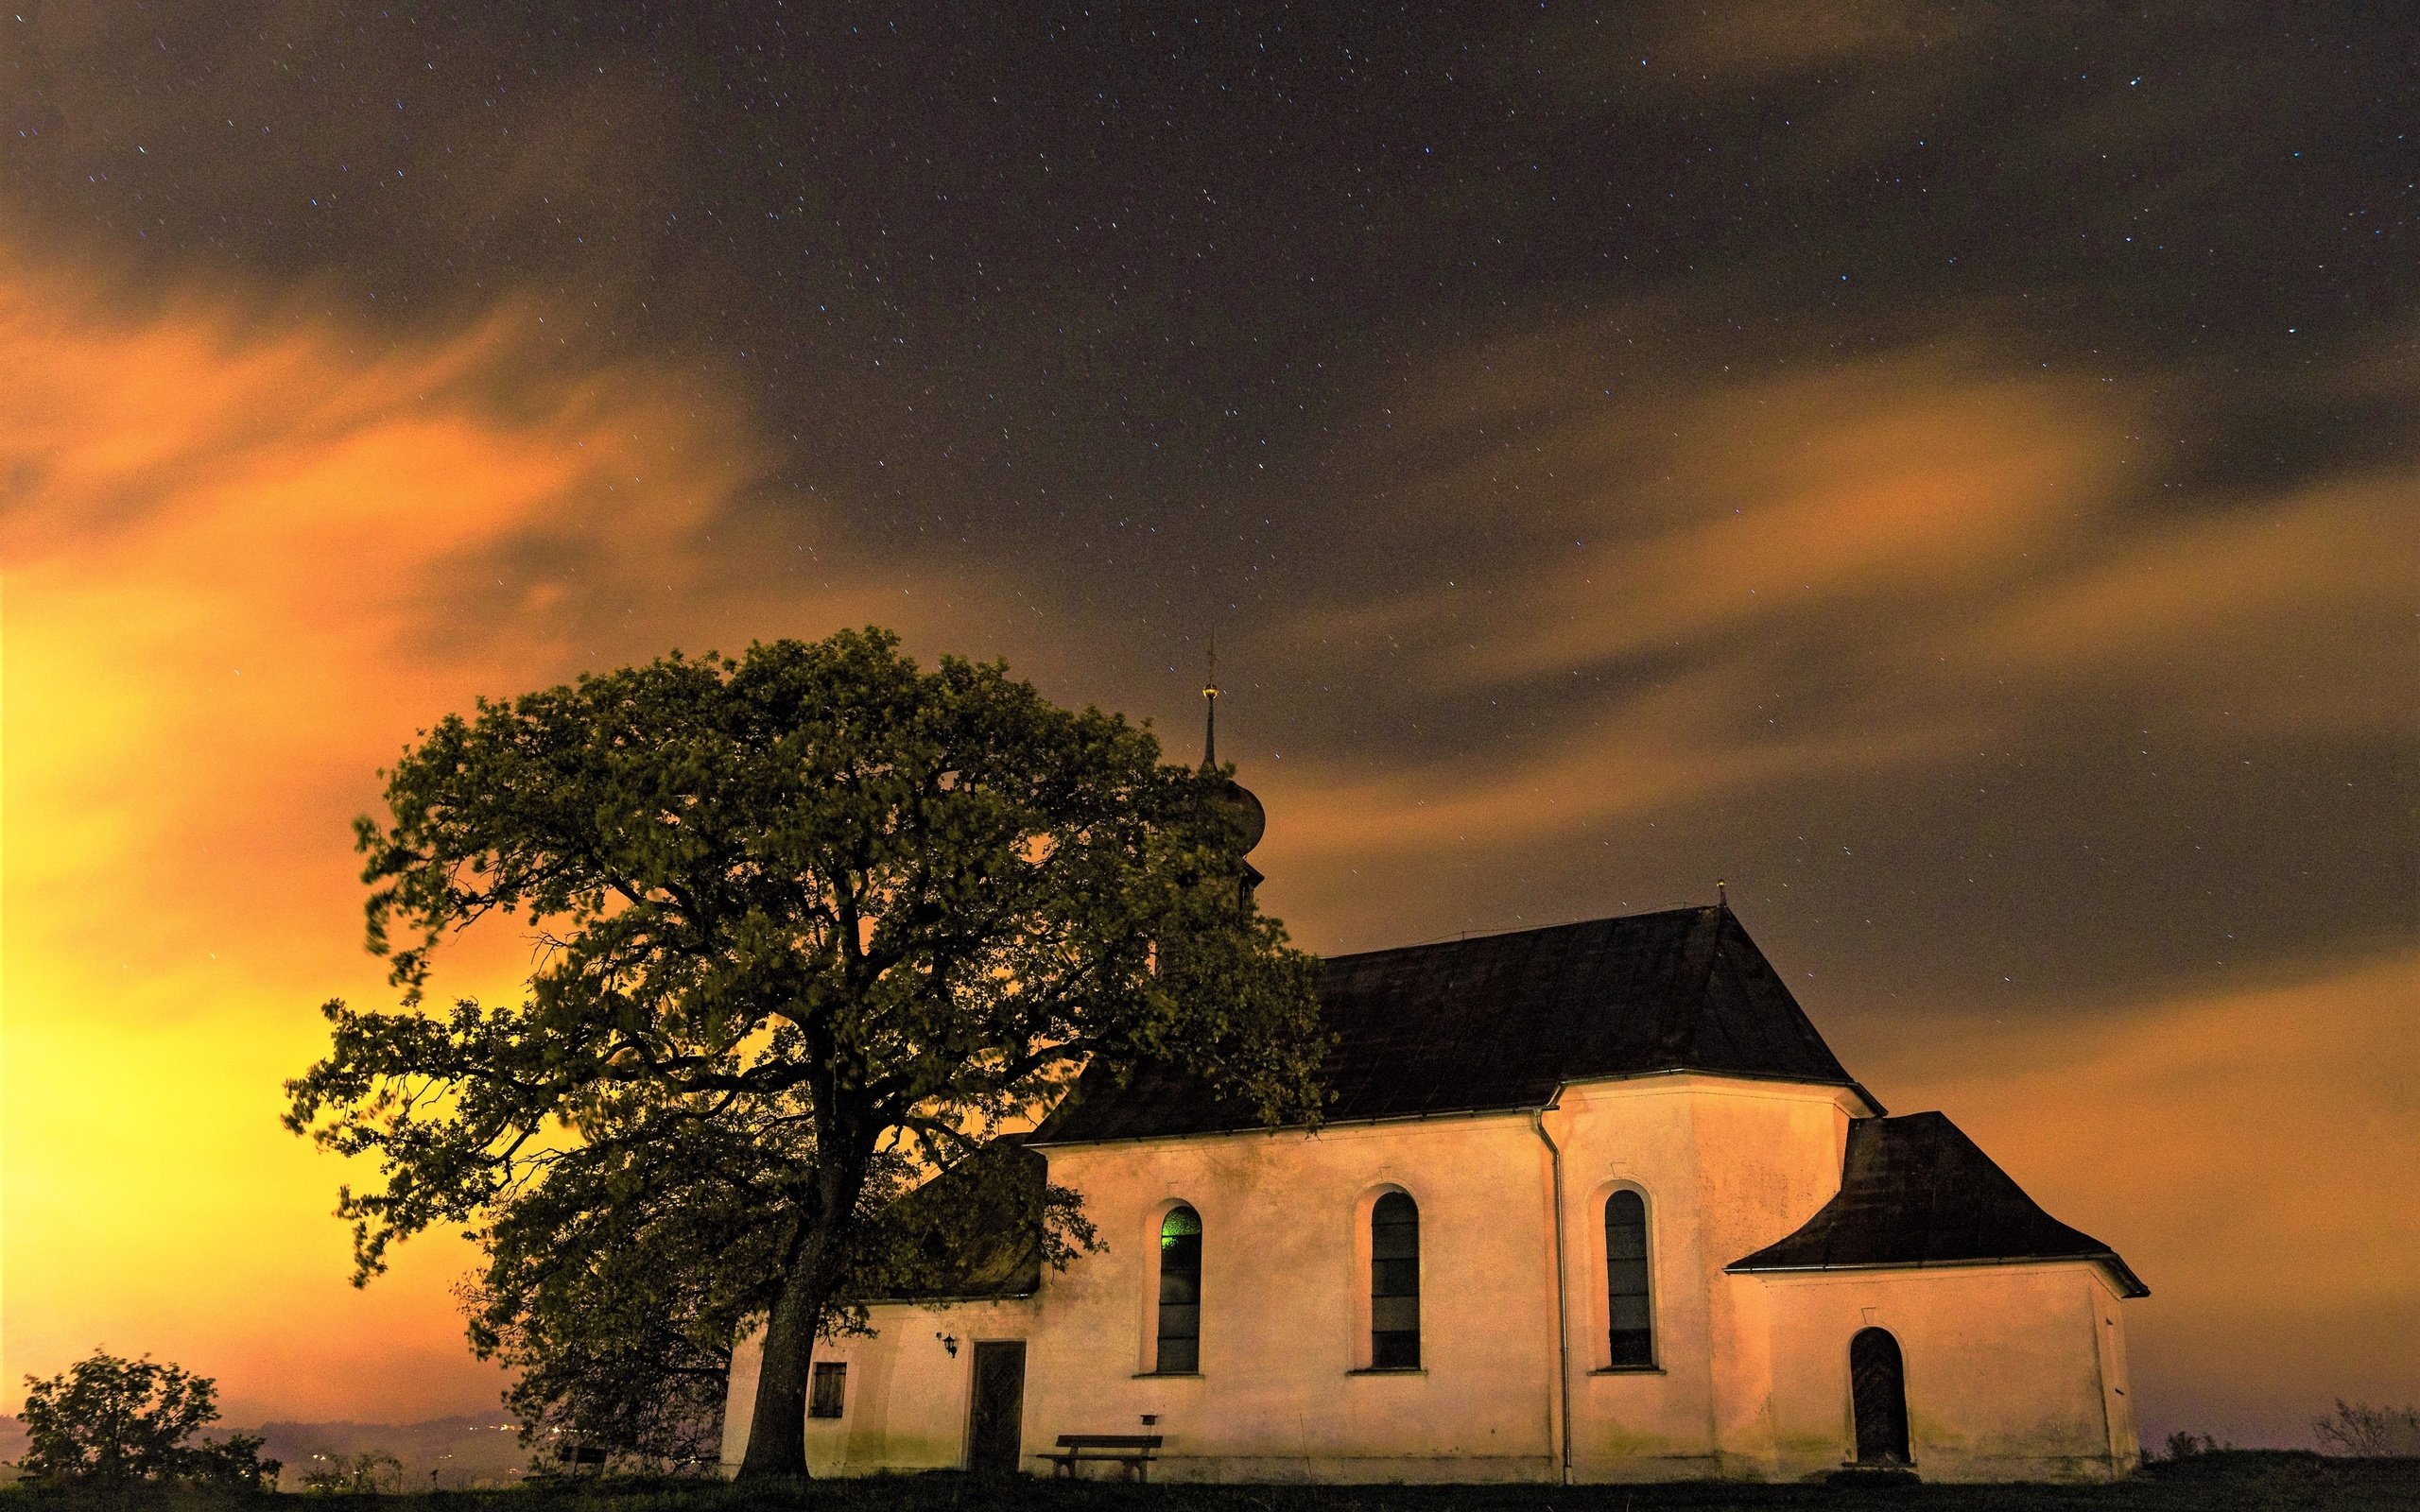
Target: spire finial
[1722,895]
[1210,709]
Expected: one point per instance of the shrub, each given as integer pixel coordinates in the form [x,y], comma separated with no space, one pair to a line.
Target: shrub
[365,1473]
[107,1421]
[2357,1428]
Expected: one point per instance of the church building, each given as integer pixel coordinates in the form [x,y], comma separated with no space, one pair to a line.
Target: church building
[1592,1203]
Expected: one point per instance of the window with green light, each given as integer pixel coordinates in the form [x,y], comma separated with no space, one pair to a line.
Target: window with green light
[1180,1331]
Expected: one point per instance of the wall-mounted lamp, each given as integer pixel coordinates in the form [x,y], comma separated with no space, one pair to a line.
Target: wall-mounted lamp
[949,1342]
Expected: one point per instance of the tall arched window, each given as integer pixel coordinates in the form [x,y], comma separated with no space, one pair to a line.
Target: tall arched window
[1629,1323]
[1878,1397]
[1394,1283]
[1180,1334]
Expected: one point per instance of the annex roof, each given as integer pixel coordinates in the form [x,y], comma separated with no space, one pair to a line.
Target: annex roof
[1501,1022]
[973,1231]
[1916,1192]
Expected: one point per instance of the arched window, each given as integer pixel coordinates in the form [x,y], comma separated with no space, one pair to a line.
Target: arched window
[1878,1395]
[1180,1336]
[1394,1283]
[1628,1324]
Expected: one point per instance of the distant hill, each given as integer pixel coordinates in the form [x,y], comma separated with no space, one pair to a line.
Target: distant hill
[463,1451]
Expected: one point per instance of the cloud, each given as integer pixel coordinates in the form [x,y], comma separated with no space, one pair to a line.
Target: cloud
[1661,749]
[1740,505]
[1755,580]
[2295,615]
[1845,79]
[251,550]
[1748,44]
[1759,40]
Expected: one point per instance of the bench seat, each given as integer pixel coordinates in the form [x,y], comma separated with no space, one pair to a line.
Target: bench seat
[1133,1451]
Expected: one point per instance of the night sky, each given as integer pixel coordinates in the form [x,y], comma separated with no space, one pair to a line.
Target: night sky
[1948,470]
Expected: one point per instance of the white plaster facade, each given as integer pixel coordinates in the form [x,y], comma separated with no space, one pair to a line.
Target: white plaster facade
[2011,1370]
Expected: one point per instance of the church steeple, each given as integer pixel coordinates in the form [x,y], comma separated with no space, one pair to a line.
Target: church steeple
[1210,711]
[1242,807]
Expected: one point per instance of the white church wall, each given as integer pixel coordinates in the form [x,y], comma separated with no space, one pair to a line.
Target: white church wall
[2012,1372]
[1725,1166]
[2116,1388]
[739,1400]
[1284,1279]
[904,1405]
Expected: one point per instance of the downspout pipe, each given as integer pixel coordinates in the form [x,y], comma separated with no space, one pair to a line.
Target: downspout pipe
[1562,1293]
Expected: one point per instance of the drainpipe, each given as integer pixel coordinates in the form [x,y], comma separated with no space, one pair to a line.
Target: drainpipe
[1562,1294]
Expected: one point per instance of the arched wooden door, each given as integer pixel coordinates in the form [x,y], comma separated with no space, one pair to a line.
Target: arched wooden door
[1879,1393]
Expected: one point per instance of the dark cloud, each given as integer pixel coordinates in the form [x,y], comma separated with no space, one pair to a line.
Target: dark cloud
[1947,469]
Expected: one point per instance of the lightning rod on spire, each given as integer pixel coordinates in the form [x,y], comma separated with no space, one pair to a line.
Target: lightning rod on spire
[1210,709]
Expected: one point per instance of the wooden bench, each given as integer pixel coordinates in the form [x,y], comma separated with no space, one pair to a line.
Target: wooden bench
[1133,1451]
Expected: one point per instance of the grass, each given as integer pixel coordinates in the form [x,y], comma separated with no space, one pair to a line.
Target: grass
[2228,1481]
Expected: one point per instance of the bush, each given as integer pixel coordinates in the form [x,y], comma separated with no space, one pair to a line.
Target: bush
[366,1472]
[2357,1428]
[108,1423]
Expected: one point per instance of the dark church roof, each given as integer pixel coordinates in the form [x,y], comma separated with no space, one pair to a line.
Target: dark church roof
[1501,1022]
[1916,1190]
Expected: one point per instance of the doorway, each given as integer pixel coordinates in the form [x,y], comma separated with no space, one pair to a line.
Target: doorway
[995,1418]
[1878,1395]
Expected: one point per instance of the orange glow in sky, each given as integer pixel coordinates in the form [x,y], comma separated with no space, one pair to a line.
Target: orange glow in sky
[244,561]
[249,549]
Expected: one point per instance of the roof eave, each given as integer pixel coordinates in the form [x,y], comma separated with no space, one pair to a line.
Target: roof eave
[1035,1141]
[1484,1110]
[2129,1285]
[945,1299]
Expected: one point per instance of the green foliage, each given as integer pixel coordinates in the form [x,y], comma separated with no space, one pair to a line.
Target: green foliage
[111,1422]
[811,924]
[613,1286]
[355,1474]
[985,1226]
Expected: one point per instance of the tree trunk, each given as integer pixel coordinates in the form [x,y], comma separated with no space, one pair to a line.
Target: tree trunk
[777,1425]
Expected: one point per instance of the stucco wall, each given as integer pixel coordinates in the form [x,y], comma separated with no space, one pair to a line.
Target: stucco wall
[1726,1166]
[904,1404]
[747,1356]
[2013,1372]
[1285,1280]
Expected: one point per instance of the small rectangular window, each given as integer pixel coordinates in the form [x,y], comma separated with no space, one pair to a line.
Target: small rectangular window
[831,1386]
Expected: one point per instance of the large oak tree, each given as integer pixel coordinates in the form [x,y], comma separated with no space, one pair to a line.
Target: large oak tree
[809,923]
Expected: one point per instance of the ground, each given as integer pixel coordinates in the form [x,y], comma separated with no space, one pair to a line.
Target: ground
[2223,1482]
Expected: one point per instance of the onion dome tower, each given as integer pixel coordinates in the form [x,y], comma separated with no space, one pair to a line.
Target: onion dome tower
[1234,799]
